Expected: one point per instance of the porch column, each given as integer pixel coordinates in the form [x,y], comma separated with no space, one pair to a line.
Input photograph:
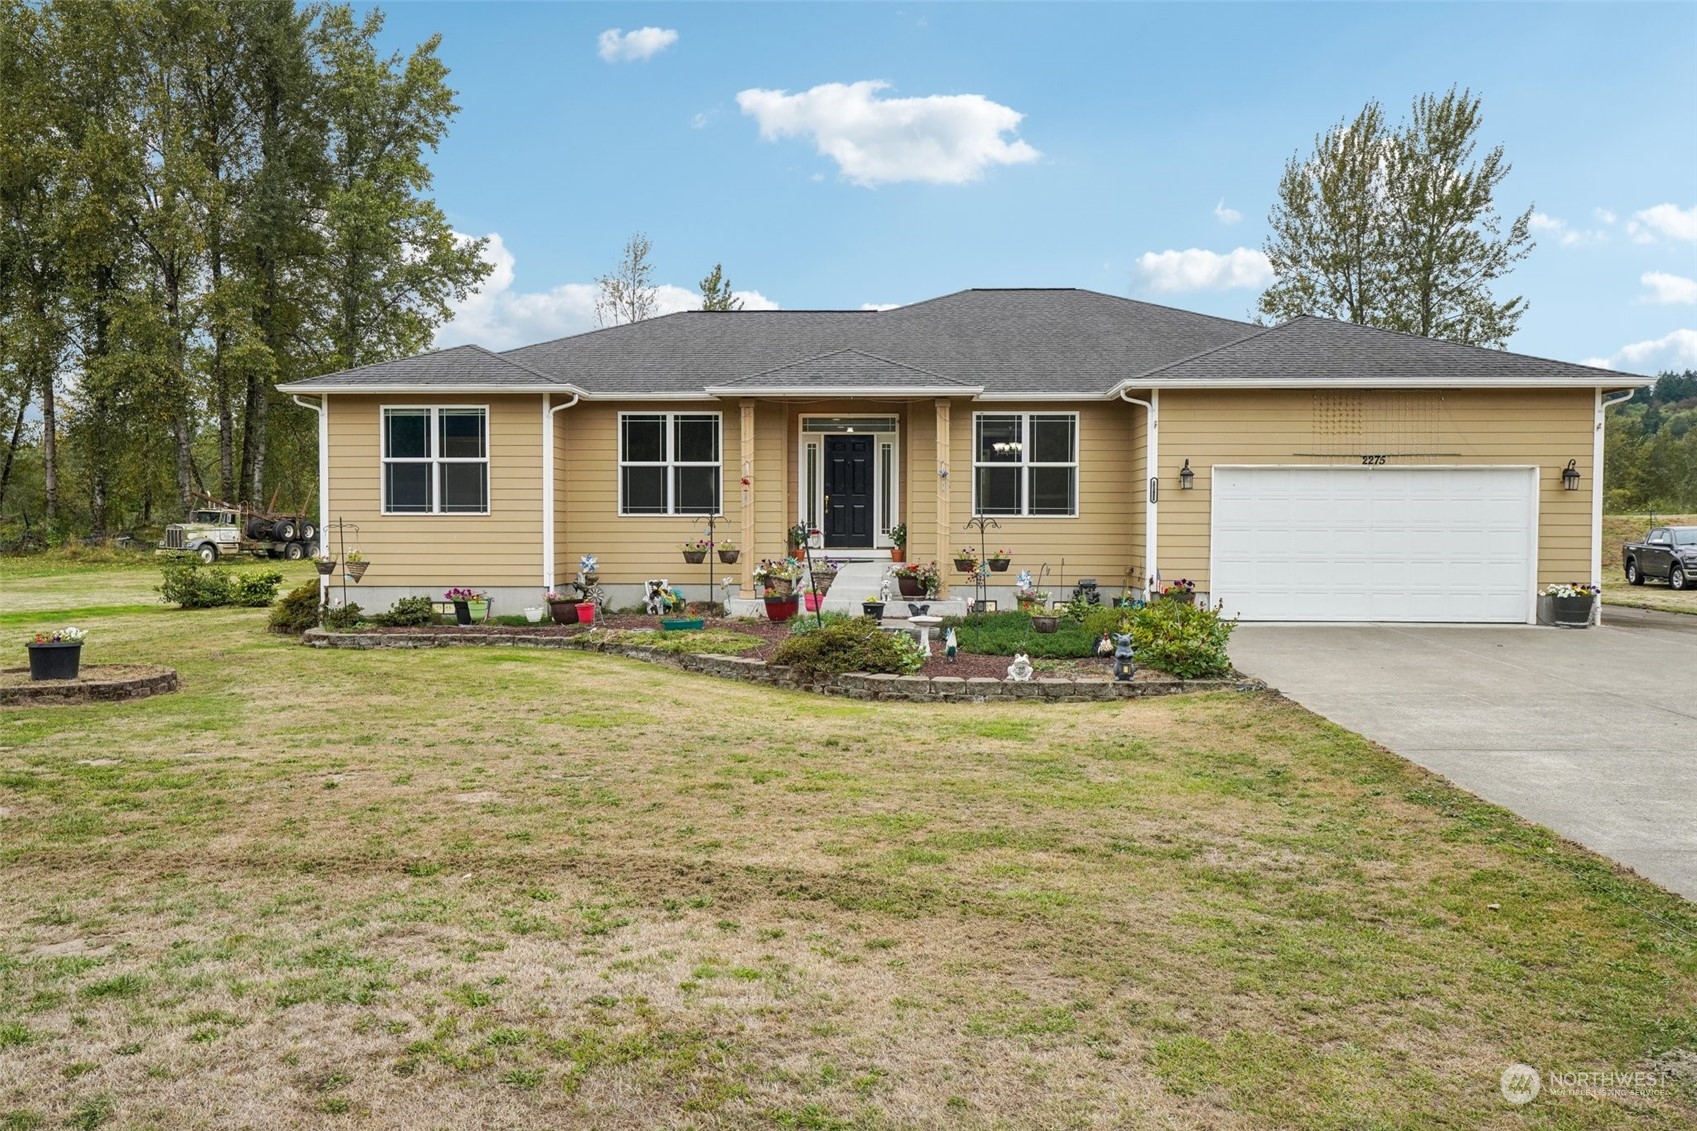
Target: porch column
[945,520]
[745,439]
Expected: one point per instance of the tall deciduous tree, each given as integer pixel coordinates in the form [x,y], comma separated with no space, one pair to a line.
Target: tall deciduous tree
[1397,227]
[716,293]
[627,293]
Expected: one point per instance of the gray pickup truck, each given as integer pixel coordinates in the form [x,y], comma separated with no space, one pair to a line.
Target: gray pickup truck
[1667,552]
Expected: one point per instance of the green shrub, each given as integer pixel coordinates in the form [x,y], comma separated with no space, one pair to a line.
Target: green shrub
[343,618]
[298,611]
[855,645]
[192,584]
[408,612]
[712,641]
[1003,634]
[255,590]
[813,622]
[1188,641]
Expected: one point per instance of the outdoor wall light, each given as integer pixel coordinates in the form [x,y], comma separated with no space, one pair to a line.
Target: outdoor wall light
[1570,476]
[1186,477]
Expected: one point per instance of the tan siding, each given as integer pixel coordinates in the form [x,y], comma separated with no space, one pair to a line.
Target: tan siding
[1545,428]
[503,547]
[630,548]
[919,479]
[1099,541]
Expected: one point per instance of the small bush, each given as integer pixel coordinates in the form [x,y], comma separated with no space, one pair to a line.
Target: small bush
[813,622]
[1188,641]
[408,612]
[192,584]
[712,641]
[298,611]
[855,645]
[255,590]
[1003,634]
[343,618]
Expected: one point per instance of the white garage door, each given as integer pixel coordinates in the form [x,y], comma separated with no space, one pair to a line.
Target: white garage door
[1375,543]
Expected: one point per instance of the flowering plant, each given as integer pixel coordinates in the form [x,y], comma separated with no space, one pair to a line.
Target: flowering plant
[355,556]
[1000,555]
[587,563]
[785,569]
[1570,589]
[1179,588]
[797,535]
[67,635]
[555,598]
[464,595]
[928,574]
[967,552]
[702,544]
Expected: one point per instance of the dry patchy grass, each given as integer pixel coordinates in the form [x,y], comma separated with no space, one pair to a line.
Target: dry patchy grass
[493,888]
[1619,528]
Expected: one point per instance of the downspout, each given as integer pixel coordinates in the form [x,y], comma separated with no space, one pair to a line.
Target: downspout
[1152,489]
[548,486]
[322,408]
[1603,404]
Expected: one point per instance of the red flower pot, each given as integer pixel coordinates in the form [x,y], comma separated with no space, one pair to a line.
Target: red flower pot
[782,609]
[586,613]
[812,601]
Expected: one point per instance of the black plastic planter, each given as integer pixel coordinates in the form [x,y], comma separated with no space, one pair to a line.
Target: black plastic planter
[1571,612]
[55,661]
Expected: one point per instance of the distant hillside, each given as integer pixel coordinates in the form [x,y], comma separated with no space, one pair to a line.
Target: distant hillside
[1650,448]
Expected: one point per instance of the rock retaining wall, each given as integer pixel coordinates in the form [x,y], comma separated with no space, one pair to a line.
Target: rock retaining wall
[854,685]
[97,683]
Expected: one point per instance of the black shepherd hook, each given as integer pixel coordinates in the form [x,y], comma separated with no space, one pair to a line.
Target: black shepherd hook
[981,587]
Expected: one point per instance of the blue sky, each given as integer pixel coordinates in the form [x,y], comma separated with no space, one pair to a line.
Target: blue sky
[1098,145]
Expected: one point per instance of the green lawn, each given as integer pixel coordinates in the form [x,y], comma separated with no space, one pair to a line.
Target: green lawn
[1618,529]
[510,888]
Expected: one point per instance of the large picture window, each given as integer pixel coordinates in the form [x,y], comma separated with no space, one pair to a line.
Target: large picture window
[1025,463]
[435,461]
[669,463]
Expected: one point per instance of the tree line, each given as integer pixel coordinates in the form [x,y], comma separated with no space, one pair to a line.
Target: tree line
[200,199]
[1650,449]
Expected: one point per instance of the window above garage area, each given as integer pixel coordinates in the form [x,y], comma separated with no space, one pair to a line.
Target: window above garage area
[436,460]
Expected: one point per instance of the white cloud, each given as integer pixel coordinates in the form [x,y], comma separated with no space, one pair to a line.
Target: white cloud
[498,317]
[618,46]
[1196,269]
[1226,215]
[1669,221]
[1675,351]
[879,305]
[1605,215]
[1564,234]
[699,121]
[941,139]
[1669,288]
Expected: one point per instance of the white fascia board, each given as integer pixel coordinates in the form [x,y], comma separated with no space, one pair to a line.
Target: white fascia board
[1622,382]
[1092,395]
[416,389]
[847,391]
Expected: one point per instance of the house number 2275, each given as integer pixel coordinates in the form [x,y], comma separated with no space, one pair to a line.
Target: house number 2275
[1372,461]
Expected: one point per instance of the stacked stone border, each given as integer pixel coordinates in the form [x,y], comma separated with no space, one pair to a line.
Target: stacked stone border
[97,683]
[854,685]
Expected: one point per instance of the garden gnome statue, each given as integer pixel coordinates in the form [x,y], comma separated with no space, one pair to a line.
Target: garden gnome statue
[950,645]
[1123,667]
[1020,670]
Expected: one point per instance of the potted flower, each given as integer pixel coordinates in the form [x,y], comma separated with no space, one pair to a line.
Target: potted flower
[1183,591]
[56,654]
[562,607]
[966,560]
[780,607]
[696,552]
[824,573]
[916,580]
[469,604]
[728,553]
[778,577]
[1000,560]
[326,564]
[1572,603]
[873,607]
[796,536]
[355,565]
[898,542]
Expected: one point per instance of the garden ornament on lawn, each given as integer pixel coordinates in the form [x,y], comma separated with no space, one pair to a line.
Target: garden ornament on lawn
[655,602]
[1020,670]
[914,610]
[950,645]
[1124,669]
[1104,646]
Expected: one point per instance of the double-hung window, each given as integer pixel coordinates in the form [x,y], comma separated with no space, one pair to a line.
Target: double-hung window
[1025,463]
[435,461]
[669,463]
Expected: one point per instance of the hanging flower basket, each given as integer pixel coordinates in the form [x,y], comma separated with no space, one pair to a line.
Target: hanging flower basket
[1000,565]
[326,566]
[782,586]
[695,557]
[729,557]
[355,570]
[822,579]
[966,565]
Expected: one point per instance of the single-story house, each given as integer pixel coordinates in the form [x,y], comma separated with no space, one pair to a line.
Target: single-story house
[1314,470]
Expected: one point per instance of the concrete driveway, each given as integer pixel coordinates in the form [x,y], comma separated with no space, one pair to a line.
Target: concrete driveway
[1591,732]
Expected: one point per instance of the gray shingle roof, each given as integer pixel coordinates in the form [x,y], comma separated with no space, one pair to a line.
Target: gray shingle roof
[844,369]
[1005,342]
[1322,349]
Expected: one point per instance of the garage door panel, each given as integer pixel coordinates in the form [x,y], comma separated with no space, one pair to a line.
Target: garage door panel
[1355,544]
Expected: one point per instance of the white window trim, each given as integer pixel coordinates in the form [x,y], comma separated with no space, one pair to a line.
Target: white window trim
[671,465]
[1024,465]
[881,522]
[433,460]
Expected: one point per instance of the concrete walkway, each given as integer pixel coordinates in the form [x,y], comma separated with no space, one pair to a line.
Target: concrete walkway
[1591,732]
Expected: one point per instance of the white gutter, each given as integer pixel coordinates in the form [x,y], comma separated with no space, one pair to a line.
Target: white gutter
[1617,381]
[845,391]
[548,486]
[1151,489]
[1603,404]
[322,408]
